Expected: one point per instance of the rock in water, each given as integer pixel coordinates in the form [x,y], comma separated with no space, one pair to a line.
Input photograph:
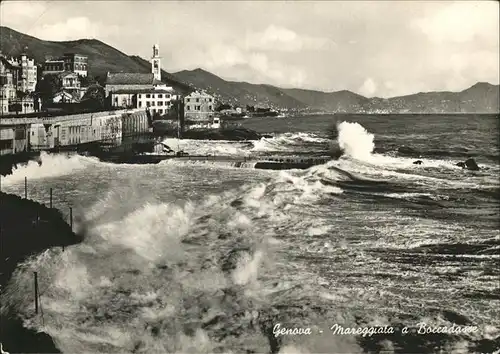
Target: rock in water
[471,165]
[418,162]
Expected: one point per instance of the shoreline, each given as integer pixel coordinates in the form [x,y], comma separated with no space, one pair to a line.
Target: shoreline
[27,229]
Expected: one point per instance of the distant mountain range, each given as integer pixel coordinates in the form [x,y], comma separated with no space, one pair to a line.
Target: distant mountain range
[480,98]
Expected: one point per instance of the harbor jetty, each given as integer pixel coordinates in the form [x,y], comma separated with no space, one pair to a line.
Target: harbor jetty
[266,163]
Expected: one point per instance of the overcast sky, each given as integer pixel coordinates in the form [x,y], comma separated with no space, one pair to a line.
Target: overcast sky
[375,48]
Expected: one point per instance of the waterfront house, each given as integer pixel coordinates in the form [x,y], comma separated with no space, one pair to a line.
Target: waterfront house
[158,100]
[199,106]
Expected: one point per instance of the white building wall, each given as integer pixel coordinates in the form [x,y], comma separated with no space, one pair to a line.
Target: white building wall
[156,101]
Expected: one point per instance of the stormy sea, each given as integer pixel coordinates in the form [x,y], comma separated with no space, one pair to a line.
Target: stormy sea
[205,257]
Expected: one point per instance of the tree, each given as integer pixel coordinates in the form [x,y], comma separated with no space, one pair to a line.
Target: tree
[48,87]
[94,97]
[86,81]
[21,94]
[222,106]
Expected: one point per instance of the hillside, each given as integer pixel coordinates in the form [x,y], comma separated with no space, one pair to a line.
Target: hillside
[239,93]
[480,98]
[102,57]
[166,77]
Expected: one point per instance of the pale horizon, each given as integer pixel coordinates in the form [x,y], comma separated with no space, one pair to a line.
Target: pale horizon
[375,49]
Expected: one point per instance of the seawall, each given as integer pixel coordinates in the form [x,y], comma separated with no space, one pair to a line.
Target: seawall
[26,229]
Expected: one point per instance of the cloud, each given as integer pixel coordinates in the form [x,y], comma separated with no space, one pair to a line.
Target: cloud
[368,88]
[73,28]
[461,22]
[276,38]
[222,55]
[379,48]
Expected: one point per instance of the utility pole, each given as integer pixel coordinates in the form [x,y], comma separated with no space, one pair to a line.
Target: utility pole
[179,116]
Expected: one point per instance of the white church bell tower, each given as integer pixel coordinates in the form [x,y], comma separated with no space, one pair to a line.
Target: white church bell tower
[155,62]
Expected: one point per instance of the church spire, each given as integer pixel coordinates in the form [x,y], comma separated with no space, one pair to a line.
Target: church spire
[155,62]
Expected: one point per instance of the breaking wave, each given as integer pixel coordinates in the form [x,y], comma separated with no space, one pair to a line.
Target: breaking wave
[287,142]
[48,165]
[170,277]
[290,142]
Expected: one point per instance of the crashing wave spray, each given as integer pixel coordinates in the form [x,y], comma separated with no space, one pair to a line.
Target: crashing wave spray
[355,140]
[48,165]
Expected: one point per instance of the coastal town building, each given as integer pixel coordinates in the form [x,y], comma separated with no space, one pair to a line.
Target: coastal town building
[69,80]
[27,73]
[199,106]
[131,81]
[16,85]
[136,81]
[70,90]
[67,96]
[23,105]
[76,63]
[72,62]
[52,66]
[159,100]
[8,83]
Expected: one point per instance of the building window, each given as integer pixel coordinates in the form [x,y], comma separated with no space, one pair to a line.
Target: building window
[160,95]
[197,100]
[168,96]
[140,103]
[209,100]
[160,111]
[152,103]
[210,107]
[148,95]
[188,108]
[188,100]
[148,104]
[154,110]
[160,103]
[139,95]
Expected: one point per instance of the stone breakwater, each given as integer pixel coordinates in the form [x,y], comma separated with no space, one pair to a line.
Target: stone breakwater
[26,229]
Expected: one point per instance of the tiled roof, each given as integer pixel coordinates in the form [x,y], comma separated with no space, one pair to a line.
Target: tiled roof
[151,90]
[66,73]
[73,93]
[129,79]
